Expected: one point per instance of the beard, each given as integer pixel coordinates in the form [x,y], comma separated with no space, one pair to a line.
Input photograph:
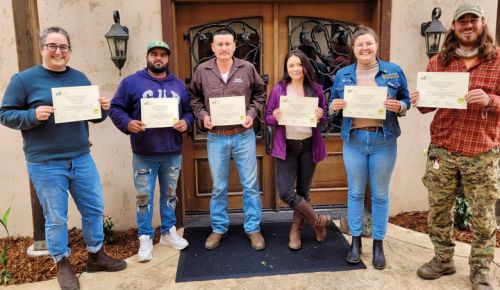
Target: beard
[157,68]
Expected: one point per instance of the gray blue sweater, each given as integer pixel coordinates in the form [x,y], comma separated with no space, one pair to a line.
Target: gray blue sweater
[44,140]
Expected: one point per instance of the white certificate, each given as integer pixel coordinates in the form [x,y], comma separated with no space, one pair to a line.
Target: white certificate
[227,110]
[76,104]
[442,89]
[298,111]
[159,112]
[365,102]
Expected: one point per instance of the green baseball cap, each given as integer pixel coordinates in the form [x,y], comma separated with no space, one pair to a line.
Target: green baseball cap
[158,44]
[465,8]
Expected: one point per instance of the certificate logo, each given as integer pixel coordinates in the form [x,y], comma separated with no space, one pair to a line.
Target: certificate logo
[380,111]
[460,100]
[95,111]
[242,118]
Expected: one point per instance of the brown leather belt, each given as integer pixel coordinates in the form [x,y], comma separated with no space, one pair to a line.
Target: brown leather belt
[228,132]
[369,128]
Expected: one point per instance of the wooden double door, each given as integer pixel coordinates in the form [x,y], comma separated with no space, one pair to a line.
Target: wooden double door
[274,27]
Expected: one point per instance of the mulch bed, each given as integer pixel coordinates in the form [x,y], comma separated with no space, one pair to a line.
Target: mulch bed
[417,221]
[27,269]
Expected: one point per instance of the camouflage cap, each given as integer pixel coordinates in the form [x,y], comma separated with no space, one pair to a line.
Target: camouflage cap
[158,44]
[465,8]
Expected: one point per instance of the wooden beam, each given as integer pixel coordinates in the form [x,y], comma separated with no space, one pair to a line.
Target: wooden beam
[385,29]
[27,32]
[27,29]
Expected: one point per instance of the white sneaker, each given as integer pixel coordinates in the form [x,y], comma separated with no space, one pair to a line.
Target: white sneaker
[172,239]
[145,249]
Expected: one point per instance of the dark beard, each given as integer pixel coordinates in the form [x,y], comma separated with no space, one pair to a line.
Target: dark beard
[156,69]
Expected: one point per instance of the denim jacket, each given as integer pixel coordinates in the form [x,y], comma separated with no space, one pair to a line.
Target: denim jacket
[390,75]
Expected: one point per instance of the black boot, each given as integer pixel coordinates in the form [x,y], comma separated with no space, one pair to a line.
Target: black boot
[354,254]
[378,255]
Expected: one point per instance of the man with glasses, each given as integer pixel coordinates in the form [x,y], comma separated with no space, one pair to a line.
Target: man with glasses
[156,151]
[58,155]
[465,146]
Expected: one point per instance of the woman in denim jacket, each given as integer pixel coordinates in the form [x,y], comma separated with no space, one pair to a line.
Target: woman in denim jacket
[298,149]
[370,144]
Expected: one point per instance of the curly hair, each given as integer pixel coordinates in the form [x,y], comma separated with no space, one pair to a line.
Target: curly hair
[486,45]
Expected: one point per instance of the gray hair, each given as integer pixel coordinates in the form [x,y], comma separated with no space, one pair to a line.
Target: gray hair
[53,29]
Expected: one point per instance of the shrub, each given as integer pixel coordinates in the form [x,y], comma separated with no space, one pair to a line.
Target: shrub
[107,225]
[5,274]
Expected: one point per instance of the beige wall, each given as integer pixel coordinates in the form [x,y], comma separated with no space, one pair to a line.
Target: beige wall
[88,21]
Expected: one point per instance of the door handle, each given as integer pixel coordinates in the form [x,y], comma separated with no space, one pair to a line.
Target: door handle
[269,139]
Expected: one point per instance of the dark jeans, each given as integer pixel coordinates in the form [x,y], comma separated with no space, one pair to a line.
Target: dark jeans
[295,173]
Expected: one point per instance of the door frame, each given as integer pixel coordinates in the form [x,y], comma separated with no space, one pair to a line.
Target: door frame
[380,21]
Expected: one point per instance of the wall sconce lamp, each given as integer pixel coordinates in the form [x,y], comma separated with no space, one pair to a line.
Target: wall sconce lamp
[117,38]
[433,32]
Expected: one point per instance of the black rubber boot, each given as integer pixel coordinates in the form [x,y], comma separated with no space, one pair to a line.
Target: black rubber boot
[354,254]
[378,255]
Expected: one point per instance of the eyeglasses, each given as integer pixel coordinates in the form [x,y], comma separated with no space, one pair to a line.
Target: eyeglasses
[52,47]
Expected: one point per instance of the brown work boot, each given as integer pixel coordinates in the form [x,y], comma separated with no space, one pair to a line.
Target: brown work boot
[101,262]
[213,241]
[65,276]
[480,281]
[297,221]
[318,222]
[435,269]
[257,241]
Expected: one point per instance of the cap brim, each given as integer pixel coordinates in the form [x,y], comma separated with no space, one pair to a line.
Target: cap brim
[151,48]
[478,14]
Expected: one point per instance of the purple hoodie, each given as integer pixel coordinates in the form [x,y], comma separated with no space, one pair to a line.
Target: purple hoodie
[279,143]
[126,106]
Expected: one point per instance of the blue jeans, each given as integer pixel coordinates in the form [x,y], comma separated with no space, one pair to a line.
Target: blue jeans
[219,154]
[52,180]
[368,157]
[146,169]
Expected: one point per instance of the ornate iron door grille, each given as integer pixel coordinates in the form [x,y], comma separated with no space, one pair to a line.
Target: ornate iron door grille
[326,42]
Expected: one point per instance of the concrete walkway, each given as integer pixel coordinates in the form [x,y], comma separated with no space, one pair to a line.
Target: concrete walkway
[405,251]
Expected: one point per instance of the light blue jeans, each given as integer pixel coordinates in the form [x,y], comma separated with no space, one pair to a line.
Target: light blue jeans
[368,157]
[52,180]
[219,154]
[146,169]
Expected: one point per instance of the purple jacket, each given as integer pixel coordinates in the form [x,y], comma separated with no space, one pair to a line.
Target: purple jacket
[279,142]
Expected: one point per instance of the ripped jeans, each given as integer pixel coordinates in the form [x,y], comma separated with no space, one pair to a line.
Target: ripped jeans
[145,170]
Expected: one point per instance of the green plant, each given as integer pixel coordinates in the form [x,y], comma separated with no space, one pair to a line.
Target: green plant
[462,209]
[107,225]
[5,274]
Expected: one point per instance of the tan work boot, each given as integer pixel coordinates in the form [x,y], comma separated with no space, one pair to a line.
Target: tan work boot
[435,269]
[257,241]
[318,222]
[213,240]
[297,222]
[480,281]
[65,276]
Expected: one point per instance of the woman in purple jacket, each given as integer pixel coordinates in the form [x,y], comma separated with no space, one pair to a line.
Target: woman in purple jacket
[298,149]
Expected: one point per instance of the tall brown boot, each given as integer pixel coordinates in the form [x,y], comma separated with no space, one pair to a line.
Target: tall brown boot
[297,221]
[318,222]
[100,261]
[65,276]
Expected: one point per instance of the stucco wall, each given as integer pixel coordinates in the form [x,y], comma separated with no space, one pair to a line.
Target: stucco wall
[408,50]
[88,21]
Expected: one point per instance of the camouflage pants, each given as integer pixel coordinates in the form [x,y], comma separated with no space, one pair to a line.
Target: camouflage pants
[480,178]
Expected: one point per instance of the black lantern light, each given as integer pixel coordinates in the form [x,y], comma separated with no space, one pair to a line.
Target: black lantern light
[117,38]
[433,32]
